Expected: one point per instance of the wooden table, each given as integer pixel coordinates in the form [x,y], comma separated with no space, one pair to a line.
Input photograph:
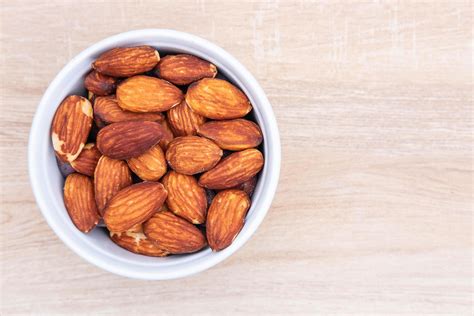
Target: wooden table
[373,213]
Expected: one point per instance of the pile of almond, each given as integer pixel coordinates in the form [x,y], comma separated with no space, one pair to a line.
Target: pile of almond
[161,150]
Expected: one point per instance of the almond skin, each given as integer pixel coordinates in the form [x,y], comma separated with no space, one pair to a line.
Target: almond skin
[217,99]
[133,205]
[238,134]
[71,125]
[108,111]
[147,94]
[100,84]
[183,121]
[168,135]
[174,234]
[185,197]
[137,242]
[248,186]
[110,176]
[127,61]
[79,201]
[125,140]
[192,154]
[226,218]
[233,170]
[182,69]
[151,165]
[87,160]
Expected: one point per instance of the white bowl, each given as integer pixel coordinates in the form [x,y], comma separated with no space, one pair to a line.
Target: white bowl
[47,181]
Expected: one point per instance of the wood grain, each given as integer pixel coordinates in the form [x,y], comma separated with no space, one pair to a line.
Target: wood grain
[373,213]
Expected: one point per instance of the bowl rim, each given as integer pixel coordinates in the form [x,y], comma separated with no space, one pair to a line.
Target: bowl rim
[265,200]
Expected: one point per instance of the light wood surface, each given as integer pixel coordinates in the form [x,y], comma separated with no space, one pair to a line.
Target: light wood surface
[373,213]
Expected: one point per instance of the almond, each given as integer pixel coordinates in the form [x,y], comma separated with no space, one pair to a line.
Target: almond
[185,197]
[226,218]
[125,140]
[247,186]
[107,110]
[182,69]
[183,121]
[137,242]
[79,201]
[238,134]
[110,176]
[167,135]
[150,165]
[134,205]
[174,234]
[127,61]
[192,154]
[233,170]
[217,99]
[100,84]
[147,94]
[87,160]
[71,126]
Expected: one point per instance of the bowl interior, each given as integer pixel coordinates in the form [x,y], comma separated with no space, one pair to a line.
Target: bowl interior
[47,181]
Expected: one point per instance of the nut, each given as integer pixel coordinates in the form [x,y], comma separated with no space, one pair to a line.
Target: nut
[127,61]
[233,170]
[217,99]
[247,186]
[183,121]
[107,110]
[192,154]
[185,197]
[71,125]
[100,84]
[133,205]
[226,218]
[79,201]
[137,242]
[87,160]
[182,69]
[147,94]
[150,165]
[167,135]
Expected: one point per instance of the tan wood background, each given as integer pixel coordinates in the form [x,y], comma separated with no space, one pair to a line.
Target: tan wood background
[373,213]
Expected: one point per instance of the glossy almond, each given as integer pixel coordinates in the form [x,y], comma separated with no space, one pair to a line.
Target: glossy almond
[233,170]
[174,234]
[134,205]
[127,61]
[110,176]
[79,201]
[247,186]
[87,160]
[125,140]
[137,242]
[108,110]
[70,128]
[182,69]
[168,135]
[183,121]
[185,197]
[147,94]
[100,84]
[238,134]
[192,154]
[226,218]
[150,165]
[217,99]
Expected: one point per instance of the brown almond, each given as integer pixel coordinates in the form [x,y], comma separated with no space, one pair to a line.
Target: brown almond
[247,186]
[137,242]
[79,201]
[151,165]
[110,176]
[87,160]
[125,140]
[168,135]
[147,94]
[100,84]
[217,99]
[133,205]
[185,197]
[108,111]
[70,128]
[192,154]
[182,69]
[233,170]
[174,234]
[238,134]
[226,218]
[183,121]
[127,61]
